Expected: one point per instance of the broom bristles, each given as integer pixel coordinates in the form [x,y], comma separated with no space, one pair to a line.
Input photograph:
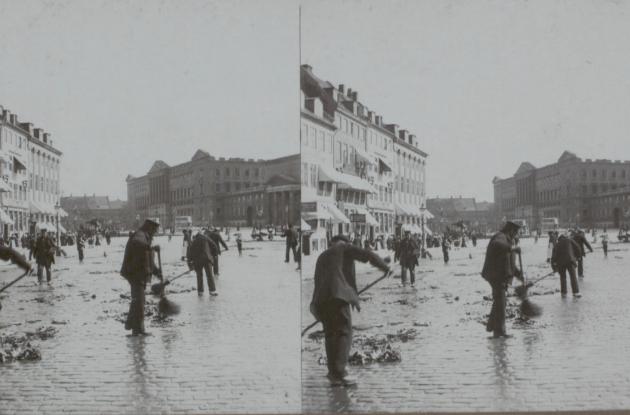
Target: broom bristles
[167,307]
[530,309]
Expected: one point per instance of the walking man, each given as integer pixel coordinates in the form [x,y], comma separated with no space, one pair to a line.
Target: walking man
[605,244]
[564,259]
[201,253]
[291,241]
[215,236]
[408,258]
[498,269]
[446,245]
[137,267]
[334,293]
[44,252]
[578,236]
[80,247]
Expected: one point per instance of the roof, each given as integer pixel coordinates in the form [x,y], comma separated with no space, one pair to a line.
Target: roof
[525,167]
[199,154]
[566,156]
[158,165]
[282,179]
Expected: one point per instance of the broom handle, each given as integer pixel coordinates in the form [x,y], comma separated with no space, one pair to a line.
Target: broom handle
[520,265]
[15,280]
[364,289]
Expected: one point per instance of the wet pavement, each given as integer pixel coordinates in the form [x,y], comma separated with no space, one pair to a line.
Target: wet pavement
[238,352]
[573,357]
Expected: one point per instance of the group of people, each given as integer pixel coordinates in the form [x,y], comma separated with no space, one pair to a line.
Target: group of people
[335,288]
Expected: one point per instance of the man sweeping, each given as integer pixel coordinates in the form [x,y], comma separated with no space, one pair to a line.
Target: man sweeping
[201,254]
[215,236]
[409,250]
[137,267]
[498,269]
[578,236]
[334,293]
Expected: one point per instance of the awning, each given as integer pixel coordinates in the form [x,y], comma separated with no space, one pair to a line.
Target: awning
[364,155]
[19,163]
[303,226]
[402,209]
[5,218]
[427,214]
[339,216]
[62,213]
[345,180]
[35,208]
[62,229]
[383,165]
[427,230]
[4,187]
[318,214]
[369,219]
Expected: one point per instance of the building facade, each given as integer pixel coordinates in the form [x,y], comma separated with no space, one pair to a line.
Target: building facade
[30,170]
[359,175]
[110,214]
[477,216]
[568,190]
[218,191]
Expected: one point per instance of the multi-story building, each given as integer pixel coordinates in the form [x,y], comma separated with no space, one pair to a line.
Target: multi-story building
[219,191]
[446,212]
[30,172]
[359,175]
[566,190]
[110,214]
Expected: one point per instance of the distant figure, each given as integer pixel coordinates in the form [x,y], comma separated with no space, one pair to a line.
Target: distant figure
[291,243]
[201,253]
[605,244]
[44,253]
[108,237]
[579,237]
[446,245]
[239,245]
[564,258]
[80,247]
[473,238]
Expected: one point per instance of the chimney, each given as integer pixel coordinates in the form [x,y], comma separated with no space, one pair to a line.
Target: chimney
[404,135]
[342,88]
[355,96]
[39,133]
[379,120]
[6,114]
[14,119]
[393,128]
[412,140]
[349,94]
[28,127]
[370,116]
[47,138]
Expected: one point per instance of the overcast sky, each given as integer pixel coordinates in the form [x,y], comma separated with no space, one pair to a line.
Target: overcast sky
[119,84]
[484,84]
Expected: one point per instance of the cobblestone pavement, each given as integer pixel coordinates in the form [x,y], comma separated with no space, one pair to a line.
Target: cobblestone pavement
[573,357]
[238,352]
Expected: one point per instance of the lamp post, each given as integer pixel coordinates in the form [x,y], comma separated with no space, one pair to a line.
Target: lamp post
[422,210]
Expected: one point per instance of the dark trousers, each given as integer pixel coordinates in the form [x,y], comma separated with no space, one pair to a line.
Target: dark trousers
[199,268]
[445,252]
[40,272]
[290,248]
[562,270]
[496,321]
[580,266]
[403,274]
[80,254]
[605,247]
[215,264]
[135,318]
[337,322]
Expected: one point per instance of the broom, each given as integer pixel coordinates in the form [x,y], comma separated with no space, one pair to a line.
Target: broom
[528,308]
[158,288]
[165,306]
[364,289]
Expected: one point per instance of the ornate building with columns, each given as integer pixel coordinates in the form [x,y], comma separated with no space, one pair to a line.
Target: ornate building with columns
[218,191]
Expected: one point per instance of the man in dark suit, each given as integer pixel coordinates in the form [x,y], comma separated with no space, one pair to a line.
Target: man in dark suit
[580,239]
[215,236]
[44,252]
[334,293]
[564,258]
[201,254]
[137,267]
[498,269]
[409,250]
[291,241]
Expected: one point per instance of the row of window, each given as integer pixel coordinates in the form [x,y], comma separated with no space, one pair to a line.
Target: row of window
[603,173]
[237,172]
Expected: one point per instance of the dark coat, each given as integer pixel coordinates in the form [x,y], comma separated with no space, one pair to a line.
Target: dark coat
[409,251]
[335,276]
[218,240]
[291,237]
[566,252]
[202,250]
[581,241]
[138,264]
[499,265]
[44,251]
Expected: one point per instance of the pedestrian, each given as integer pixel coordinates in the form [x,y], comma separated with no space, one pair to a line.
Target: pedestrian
[108,237]
[44,252]
[137,267]
[564,259]
[239,244]
[98,240]
[552,243]
[215,236]
[335,291]
[201,254]
[291,243]
[186,242]
[579,237]
[498,269]
[446,245]
[473,238]
[408,258]
[605,244]
[80,247]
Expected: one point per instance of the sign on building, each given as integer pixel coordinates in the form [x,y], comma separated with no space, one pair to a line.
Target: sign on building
[357,217]
[309,207]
